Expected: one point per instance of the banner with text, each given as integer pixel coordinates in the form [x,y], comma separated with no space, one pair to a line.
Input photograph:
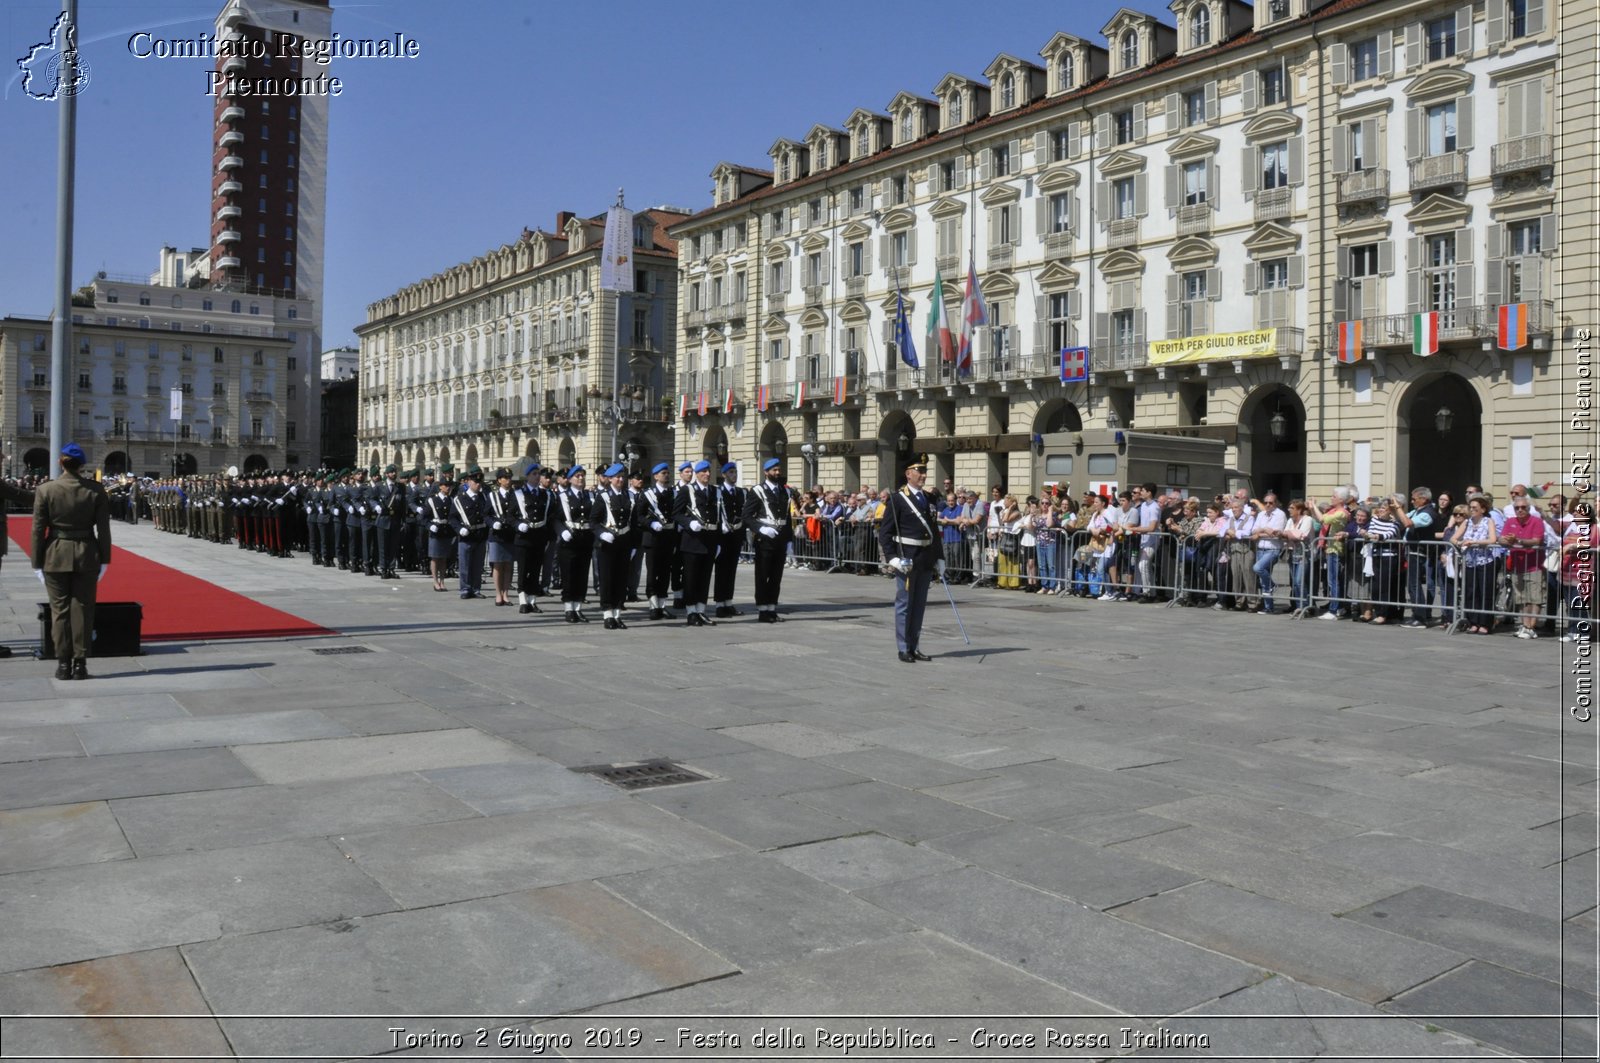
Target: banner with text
[617,251]
[1215,347]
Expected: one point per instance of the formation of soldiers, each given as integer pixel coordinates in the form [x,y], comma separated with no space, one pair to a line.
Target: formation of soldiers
[545,527]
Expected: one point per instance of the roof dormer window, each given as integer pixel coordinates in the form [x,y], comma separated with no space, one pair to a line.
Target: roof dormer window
[861,143]
[1130,50]
[783,168]
[955,108]
[1199,26]
[905,128]
[822,154]
[1064,71]
[1008,91]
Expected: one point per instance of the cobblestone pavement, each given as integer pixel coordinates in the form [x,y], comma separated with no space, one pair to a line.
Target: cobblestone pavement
[1095,817]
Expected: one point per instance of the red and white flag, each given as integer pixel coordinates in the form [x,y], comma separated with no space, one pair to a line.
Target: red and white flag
[973,317]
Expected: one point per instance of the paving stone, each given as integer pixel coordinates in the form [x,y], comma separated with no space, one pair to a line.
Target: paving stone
[1355,961]
[1257,820]
[754,910]
[1437,796]
[1531,848]
[900,768]
[60,836]
[1075,749]
[942,743]
[1579,834]
[507,718]
[1573,880]
[399,718]
[1108,828]
[1516,777]
[538,952]
[1298,878]
[72,780]
[750,817]
[1461,999]
[92,910]
[152,983]
[272,699]
[1342,752]
[1503,936]
[1085,873]
[1052,789]
[257,814]
[863,861]
[436,864]
[137,736]
[495,789]
[1087,952]
[1423,863]
[39,743]
[582,746]
[342,758]
[41,712]
[793,739]
[763,771]
[899,813]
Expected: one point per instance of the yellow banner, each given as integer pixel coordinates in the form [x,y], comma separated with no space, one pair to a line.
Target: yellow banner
[1216,347]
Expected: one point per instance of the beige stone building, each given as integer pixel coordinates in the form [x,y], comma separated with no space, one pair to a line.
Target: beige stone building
[1209,207]
[519,355]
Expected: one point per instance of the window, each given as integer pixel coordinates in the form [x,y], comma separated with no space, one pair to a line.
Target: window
[1194,107]
[947,176]
[1195,192]
[1060,310]
[263,156]
[1123,199]
[288,232]
[858,200]
[112,297]
[1061,212]
[144,298]
[288,430]
[1364,59]
[814,268]
[187,352]
[237,306]
[255,308]
[1005,231]
[1440,273]
[1522,238]
[83,382]
[1130,50]
[38,423]
[1517,19]
[1275,165]
[294,312]
[291,392]
[261,228]
[1358,146]
[1273,86]
[261,256]
[288,209]
[1124,329]
[822,155]
[905,127]
[775,279]
[1123,121]
[288,184]
[183,431]
[257,359]
[816,211]
[1364,261]
[857,253]
[1274,274]
[111,320]
[1008,91]
[39,342]
[1059,140]
[861,143]
[1064,71]
[740,288]
[1199,26]
[1000,160]
[205,304]
[898,186]
[261,182]
[1441,38]
[216,355]
[774,350]
[288,258]
[1441,119]
[1194,286]
[955,108]
[120,348]
[900,248]
[292,136]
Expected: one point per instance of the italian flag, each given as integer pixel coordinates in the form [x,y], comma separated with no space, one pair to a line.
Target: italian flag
[939,338]
[799,392]
[704,396]
[683,405]
[727,401]
[1425,334]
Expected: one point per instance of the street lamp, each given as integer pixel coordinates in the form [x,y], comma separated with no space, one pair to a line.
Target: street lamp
[1278,426]
[1444,420]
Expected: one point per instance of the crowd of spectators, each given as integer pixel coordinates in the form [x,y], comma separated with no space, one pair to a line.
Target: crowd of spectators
[1382,560]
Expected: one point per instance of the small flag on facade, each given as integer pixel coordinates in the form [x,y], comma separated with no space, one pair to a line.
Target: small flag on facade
[727,401]
[841,390]
[1074,365]
[763,397]
[705,397]
[1513,327]
[939,339]
[1349,342]
[973,317]
[1425,334]
[683,405]
[800,392]
[177,404]
[902,334]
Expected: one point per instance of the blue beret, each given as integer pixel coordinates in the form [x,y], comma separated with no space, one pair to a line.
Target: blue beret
[614,469]
[660,467]
[702,466]
[575,470]
[770,463]
[73,451]
[730,467]
[686,465]
[530,469]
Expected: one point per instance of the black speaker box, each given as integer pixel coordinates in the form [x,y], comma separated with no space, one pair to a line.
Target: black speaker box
[116,630]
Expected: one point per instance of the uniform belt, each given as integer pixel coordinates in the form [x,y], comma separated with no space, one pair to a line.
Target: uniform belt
[74,537]
[911,542]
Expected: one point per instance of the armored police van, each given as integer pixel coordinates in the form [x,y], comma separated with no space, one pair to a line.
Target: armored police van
[1106,460]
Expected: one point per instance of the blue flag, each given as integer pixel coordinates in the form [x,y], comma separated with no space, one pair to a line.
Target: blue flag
[902,334]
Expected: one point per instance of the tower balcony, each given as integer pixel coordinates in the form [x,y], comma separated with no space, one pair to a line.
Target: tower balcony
[232,113]
[228,262]
[230,187]
[230,162]
[230,211]
[233,64]
[228,236]
[230,138]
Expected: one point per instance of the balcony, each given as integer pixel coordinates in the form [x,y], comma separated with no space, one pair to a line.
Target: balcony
[1130,354]
[230,162]
[897,277]
[1358,186]
[258,440]
[230,211]
[1001,256]
[1461,323]
[1439,171]
[713,381]
[638,406]
[947,263]
[229,187]
[776,301]
[153,391]
[258,396]
[562,414]
[1058,245]
[119,389]
[1123,232]
[1291,343]
[228,236]
[1534,152]
[232,113]
[1274,204]
[1194,219]
[703,316]
[855,287]
[38,385]
[228,262]
[230,138]
[571,345]
[814,294]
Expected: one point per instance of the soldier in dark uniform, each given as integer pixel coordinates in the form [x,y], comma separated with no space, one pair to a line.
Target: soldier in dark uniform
[440,530]
[550,571]
[448,472]
[369,523]
[532,514]
[911,545]
[659,540]
[470,515]
[502,517]
[698,513]
[636,480]
[730,543]
[390,499]
[314,525]
[613,520]
[685,479]
[355,503]
[338,513]
[767,510]
[410,493]
[575,543]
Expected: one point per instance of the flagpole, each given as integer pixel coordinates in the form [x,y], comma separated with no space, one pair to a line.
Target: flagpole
[66,89]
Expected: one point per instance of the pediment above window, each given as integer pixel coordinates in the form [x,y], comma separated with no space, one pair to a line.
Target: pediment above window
[998,194]
[1122,263]
[813,319]
[1439,210]
[1193,146]
[814,242]
[1271,126]
[1057,278]
[1192,252]
[1272,238]
[775,325]
[855,231]
[1439,85]
[1059,179]
[854,312]
[889,305]
[1123,163]
[947,207]
[778,250]
[714,335]
[1001,284]
[898,219]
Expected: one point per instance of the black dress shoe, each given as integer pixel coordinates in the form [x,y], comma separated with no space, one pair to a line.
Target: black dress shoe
[658,614]
[723,612]
[80,668]
[571,618]
[767,618]
[5,651]
[634,598]
[524,608]
[734,610]
[64,670]
[581,618]
[610,624]
[919,655]
[620,626]
[906,657]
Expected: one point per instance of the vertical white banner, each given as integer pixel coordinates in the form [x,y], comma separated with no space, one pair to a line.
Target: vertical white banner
[1521,460]
[616,275]
[1361,467]
[177,404]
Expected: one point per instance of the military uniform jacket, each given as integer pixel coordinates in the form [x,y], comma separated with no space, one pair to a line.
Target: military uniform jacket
[501,509]
[470,512]
[436,514]
[765,507]
[909,529]
[356,497]
[390,498]
[572,510]
[656,506]
[703,505]
[615,512]
[71,525]
[531,506]
[734,498]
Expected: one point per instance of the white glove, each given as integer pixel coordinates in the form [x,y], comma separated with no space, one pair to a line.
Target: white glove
[417,508]
[900,565]
[102,575]
[462,532]
[606,536]
[523,527]
[655,525]
[40,573]
[308,509]
[938,566]
[433,529]
[277,501]
[566,536]
[696,526]
[770,533]
[498,526]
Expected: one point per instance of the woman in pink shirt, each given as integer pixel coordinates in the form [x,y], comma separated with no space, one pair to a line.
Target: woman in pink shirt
[1523,535]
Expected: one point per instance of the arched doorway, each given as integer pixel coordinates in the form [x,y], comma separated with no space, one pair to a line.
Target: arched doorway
[1058,415]
[444,455]
[715,446]
[897,441]
[569,454]
[634,454]
[471,456]
[1440,436]
[1272,442]
[116,463]
[374,459]
[36,462]
[774,442]
[188,466]
[421,459]
[255,465]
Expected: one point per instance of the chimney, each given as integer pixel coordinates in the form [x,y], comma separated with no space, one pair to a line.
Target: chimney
[562,217]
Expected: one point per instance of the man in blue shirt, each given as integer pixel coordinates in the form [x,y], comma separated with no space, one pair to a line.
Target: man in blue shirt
[950,518]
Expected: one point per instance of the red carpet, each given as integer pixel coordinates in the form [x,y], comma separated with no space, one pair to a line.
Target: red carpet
[177,606]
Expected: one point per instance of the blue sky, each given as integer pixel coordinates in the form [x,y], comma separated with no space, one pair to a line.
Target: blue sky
[512,112]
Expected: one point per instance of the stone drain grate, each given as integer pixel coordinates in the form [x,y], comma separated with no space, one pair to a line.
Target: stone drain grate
[643,775]
[330,651]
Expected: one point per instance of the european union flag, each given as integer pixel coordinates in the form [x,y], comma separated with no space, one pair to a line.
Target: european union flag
[902,334]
